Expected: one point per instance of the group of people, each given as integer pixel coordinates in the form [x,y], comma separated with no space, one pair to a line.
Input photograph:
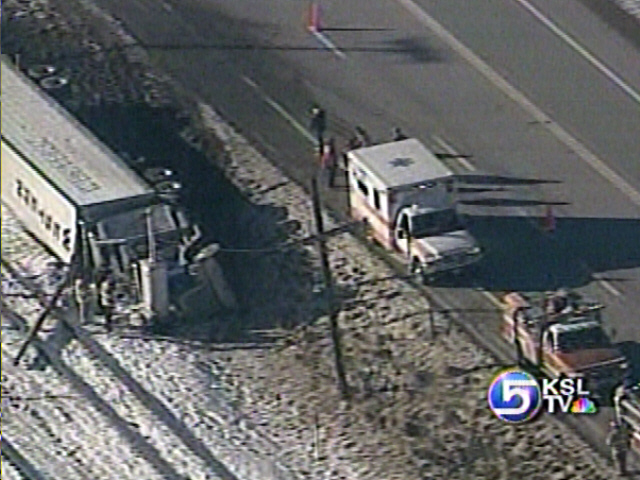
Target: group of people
[328,151]
[105,293]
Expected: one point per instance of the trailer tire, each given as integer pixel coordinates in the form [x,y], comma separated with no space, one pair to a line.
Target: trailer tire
[54,82]
[39,72]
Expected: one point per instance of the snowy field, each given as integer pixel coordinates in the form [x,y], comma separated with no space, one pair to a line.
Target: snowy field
[155,411]
[149,407]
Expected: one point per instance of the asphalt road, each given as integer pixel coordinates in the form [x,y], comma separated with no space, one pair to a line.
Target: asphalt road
[541,97]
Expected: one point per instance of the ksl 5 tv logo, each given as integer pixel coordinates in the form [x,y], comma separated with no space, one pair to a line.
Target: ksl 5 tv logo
[516,396]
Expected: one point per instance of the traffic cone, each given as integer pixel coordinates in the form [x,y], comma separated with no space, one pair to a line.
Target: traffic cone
[549,220]
[314,17]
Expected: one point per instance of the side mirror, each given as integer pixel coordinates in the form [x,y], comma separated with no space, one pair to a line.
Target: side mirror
[402,234]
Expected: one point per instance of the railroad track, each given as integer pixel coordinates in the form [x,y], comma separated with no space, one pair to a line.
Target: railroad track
[161,458]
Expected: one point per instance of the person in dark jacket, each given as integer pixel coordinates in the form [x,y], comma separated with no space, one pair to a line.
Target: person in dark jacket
[108,301]
[363,137]
[398,134]
[318,125]
[330,162]
[619,441]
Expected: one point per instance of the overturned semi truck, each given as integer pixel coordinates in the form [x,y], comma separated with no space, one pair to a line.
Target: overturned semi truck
[87,206]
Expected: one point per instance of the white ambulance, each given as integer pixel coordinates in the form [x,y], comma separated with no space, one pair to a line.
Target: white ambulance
[406,199]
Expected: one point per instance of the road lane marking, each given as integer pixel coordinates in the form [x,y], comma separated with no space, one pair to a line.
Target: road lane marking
[610,288]
[329,44]
[467,164]
[451,151]
[280,109]
[606,71]
[600,281]
[510,91]
[492,298]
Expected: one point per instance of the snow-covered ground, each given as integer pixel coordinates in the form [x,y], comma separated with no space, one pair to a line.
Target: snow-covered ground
[162,408]
[158,413]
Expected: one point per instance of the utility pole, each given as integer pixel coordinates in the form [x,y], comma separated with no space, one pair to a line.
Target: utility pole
[516,338]
[329,290]
[48,309]
[432,320]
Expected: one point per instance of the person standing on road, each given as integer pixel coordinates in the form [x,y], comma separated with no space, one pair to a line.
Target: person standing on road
[363,137]
[352,144]
[398,134]
[318,125]
[108,301]
[330,161]
[619,441]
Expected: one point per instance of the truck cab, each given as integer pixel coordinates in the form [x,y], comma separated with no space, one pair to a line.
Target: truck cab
[440,240]
[574,342]
[585,347]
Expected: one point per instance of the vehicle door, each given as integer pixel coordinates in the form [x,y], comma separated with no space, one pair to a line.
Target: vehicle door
[401,233]
[549,349]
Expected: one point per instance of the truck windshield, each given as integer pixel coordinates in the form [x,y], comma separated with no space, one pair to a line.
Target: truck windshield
[432,223]
[582,339]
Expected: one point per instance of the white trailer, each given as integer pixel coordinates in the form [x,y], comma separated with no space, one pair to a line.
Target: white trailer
[55,173]
[406,198]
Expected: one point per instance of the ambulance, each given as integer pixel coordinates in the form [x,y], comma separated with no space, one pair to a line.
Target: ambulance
[405,198]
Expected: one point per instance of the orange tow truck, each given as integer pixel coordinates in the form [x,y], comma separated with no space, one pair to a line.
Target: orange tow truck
[561,335]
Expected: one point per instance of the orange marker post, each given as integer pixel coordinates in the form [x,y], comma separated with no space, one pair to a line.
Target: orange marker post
[314,17]
[549,220]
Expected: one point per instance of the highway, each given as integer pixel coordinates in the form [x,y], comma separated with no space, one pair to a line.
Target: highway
[541,99]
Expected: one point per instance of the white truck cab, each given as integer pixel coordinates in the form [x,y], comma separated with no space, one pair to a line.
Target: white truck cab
[406,198]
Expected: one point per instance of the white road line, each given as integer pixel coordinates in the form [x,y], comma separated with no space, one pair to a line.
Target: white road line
[492,298]
[581,50]
[328,43]
[278,108]
[467,164]
[610,288]
[600,281]
[515,95]
[450,150]
[604,283]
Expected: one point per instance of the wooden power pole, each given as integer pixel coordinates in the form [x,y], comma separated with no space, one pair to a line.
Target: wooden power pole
[329,290]
[45,313]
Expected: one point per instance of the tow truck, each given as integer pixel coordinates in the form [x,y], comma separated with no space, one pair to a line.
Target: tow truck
[561,335]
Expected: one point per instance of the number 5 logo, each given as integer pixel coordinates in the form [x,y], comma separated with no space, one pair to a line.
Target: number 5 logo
[514,388]
[514,396]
